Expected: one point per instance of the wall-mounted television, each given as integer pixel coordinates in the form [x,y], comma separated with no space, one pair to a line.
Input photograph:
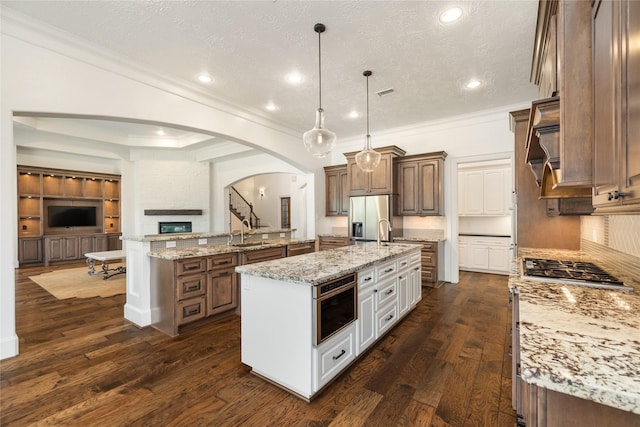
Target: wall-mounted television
[71,216]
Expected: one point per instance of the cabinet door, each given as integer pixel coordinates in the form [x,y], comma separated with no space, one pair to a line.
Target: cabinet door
[100,244]
[332,193]
[380,180]
[404,293]
[630,183]
[415,283]
[464,257]
[53,248]
[70,248]
[606,101]
[473,183]
[408,191]
[30,250]
[86,244]
[429,186]
[222,292]
[343,179]
[494,192]
[479,256]
[366,319]
[499,258]
[113,242]
[358,180]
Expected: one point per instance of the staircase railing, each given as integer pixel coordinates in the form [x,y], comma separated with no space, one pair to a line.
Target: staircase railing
[242,209]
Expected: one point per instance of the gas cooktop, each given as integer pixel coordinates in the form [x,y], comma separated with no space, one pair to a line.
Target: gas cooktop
[570,272]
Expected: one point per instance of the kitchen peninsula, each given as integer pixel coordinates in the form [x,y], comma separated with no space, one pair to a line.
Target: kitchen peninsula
[307,318]
[576,354]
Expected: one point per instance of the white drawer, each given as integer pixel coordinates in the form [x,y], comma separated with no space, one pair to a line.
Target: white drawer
[386,270]
[403,263]
[366,278]
[386,292]
[335,354]
[386,318]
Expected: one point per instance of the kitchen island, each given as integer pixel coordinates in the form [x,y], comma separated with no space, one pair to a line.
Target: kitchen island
[306,319]
[576,349]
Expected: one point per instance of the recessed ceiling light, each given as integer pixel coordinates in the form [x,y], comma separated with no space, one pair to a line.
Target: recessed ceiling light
[472,84]
[354,114]
[160,132]
[204,78]
[294,78]
[450,15]
[270,106]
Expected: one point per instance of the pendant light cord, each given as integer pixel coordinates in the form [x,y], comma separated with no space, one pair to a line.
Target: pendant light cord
[367,105]
[319,72]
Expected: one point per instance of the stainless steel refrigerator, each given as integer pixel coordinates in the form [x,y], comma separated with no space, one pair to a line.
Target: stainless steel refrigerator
[365,213]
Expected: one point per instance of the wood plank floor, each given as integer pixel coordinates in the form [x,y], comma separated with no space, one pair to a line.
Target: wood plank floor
[81,363]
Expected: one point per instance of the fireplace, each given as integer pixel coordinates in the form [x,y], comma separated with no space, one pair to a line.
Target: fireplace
[174,227]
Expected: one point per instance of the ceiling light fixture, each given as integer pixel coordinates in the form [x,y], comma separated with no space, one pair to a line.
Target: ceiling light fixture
[368,158]
[450,15]
[270,107]
[472,84]
[204,78]
[354,114]
[294,78]
[319,141]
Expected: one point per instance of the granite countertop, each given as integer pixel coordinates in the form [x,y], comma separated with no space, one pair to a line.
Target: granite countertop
[319,267]
[418,239]
[577,340]
[206,250]
[185,236]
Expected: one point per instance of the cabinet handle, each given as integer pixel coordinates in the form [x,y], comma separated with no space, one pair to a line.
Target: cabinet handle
[389,292]
[400,277]
[417,268]
[619,195]
[403,263]
[389,317]
[388,270]
[190,311]
[192,287]
[366,279]
[342,353]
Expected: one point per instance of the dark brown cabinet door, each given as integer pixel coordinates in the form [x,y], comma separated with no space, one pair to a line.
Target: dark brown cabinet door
[222,291]
[430,191]
[408,188]
[30,250]
[343,180]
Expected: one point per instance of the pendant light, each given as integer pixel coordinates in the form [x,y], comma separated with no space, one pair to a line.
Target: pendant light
[319,141]
[368,158]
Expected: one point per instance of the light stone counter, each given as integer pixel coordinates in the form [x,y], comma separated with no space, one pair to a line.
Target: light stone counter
[323,266]
[577,340]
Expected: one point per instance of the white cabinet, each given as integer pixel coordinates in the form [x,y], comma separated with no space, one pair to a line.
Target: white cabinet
[366,332]
[333,355]
[484,253]
[484,191]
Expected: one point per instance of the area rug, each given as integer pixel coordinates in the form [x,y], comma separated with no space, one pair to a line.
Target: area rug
[76,283]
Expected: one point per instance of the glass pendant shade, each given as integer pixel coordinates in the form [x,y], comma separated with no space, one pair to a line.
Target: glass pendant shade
[368,158]
[319,141]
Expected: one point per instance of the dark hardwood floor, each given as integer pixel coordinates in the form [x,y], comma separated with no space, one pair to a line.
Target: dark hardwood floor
[81,363]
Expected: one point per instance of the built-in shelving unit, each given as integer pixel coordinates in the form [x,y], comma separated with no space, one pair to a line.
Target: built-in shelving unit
[39,188]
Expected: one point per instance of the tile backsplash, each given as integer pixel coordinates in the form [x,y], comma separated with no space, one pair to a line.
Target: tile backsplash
[618,232]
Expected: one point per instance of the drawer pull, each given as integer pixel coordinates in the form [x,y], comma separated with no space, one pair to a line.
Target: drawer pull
[366,279]
[403,263]
[342,353]
[389,317]
[417,268]
[192,288]
[191,310]
[188,267]
[389,270]
[389,292]
[400,277]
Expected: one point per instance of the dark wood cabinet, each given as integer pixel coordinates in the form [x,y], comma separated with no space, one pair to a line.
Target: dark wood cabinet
[560,138]
[332,242]
[381,180]
[336,190]
[420,184]
[260,255]
[616,69]
[294,249]
[222,283]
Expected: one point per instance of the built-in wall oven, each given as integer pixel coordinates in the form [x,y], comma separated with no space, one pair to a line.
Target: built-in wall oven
[335,306]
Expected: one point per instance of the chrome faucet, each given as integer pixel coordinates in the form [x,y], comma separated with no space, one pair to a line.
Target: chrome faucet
[379,224]
[244,221]
[230,239]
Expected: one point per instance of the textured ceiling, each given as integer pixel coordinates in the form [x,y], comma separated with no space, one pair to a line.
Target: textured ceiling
[249,47]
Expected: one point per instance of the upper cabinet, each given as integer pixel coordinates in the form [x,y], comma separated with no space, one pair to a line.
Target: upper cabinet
[560,136]
[380,181]
[336,190]
[484,191]
[420,184]
[616,71]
